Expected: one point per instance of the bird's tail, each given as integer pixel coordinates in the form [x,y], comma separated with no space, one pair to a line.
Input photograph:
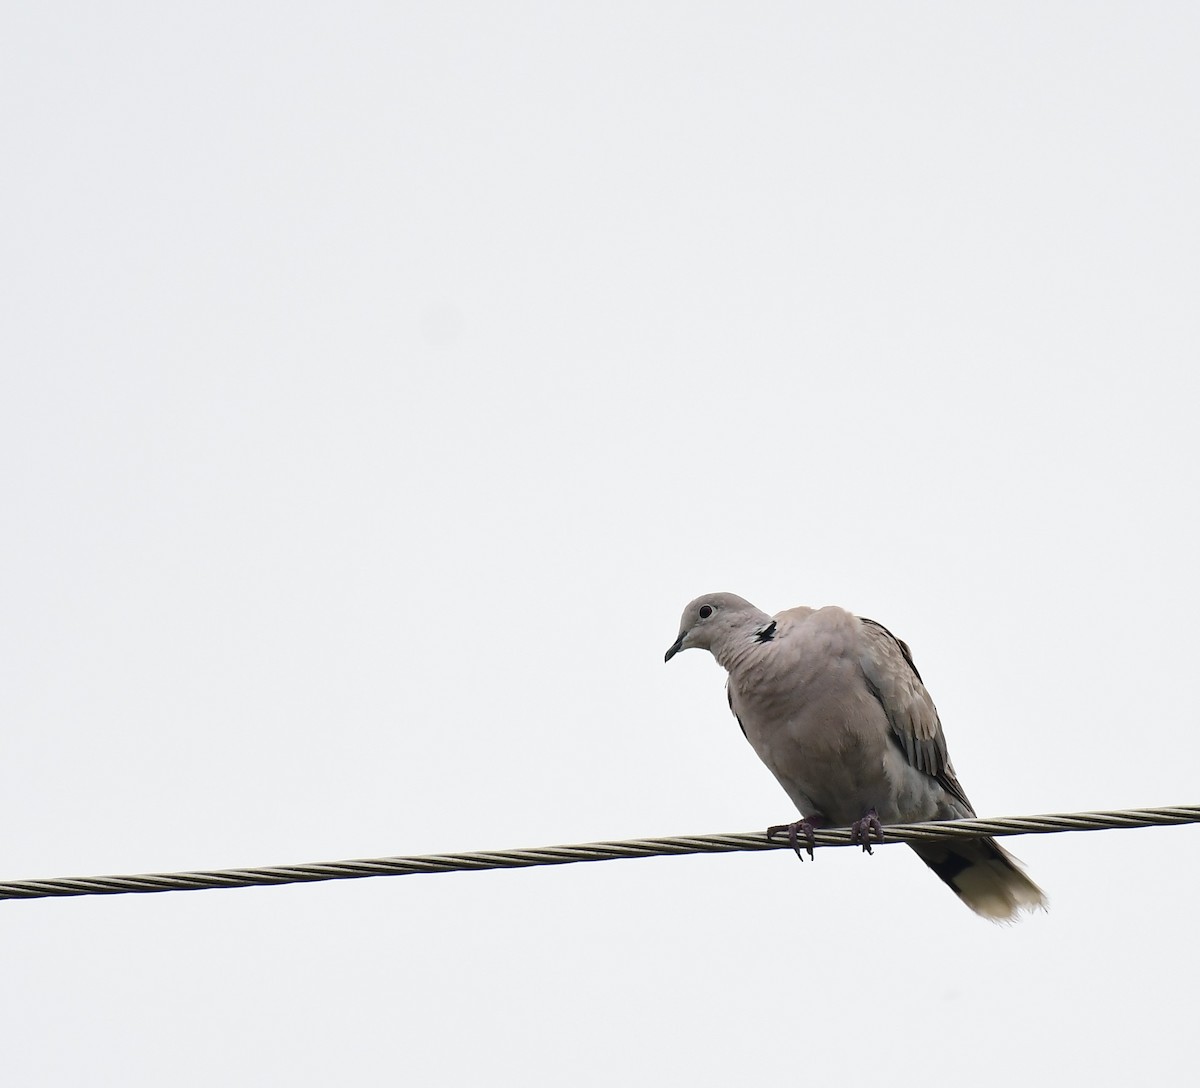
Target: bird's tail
[985,876]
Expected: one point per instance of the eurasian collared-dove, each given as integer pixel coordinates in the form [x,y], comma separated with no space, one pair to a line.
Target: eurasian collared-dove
[836,709]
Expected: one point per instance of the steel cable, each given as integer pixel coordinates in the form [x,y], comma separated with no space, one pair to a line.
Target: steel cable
[593,851]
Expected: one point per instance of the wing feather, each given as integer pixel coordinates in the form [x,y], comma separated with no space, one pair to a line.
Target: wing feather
[893,678]
[729,696]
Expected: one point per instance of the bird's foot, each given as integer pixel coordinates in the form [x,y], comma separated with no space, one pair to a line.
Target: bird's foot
[861,830]
[804,827]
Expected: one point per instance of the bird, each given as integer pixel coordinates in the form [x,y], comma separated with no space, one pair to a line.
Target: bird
[834,706]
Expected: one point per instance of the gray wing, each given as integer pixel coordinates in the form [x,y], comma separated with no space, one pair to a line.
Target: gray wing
[893,679]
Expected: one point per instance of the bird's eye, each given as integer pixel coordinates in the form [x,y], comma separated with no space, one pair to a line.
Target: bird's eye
[705,611]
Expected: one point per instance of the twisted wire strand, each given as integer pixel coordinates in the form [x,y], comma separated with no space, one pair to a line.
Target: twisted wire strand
[1049,824]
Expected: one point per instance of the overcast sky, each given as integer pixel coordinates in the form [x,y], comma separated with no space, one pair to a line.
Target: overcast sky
[379,381]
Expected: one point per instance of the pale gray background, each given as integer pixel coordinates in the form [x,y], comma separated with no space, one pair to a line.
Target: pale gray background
[381,380]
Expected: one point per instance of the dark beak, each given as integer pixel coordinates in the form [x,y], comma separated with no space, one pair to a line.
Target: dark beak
[675,649]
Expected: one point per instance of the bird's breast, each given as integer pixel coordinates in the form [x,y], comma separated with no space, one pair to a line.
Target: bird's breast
[818,729]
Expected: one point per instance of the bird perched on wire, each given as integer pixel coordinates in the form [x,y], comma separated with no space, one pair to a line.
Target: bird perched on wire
[834,706]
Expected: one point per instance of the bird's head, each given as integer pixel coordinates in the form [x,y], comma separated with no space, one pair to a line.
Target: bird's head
[715,621]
